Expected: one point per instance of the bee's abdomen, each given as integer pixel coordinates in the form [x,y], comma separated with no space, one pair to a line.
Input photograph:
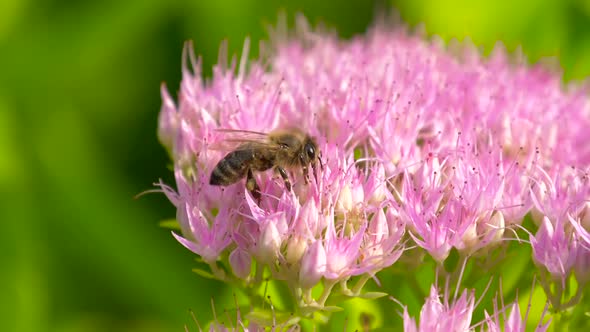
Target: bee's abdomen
[231,168]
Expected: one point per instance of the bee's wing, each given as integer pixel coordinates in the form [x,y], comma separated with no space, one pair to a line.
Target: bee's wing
[242,132]
[236,139]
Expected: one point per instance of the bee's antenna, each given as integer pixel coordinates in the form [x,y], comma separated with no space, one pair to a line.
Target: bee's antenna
[321,162]
[315,173]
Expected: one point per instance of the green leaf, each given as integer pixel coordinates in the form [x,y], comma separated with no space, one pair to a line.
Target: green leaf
[310,309]
[315,308]
[260,317]
[340,297]
[270,318]
[332,308]
[170,224]
[372,295]
[291,320]
[199,259]
[321,317]
[204,274]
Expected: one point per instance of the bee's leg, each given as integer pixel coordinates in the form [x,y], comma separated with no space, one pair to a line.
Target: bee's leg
[285,177]
[252,186]
[305,170]
[315,171]
[314,167]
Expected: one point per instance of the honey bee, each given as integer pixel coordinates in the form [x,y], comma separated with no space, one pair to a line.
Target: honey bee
[279,150]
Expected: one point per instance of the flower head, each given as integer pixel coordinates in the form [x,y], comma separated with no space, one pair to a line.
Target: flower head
[554,249]
[202,233]
[514,322]
[448,147]
[437,315]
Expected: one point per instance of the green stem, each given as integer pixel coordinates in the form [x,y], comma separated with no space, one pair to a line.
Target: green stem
[574,300]
[547,288]
[259,274]
[344,287]
[361,283]
[298,294]
[217,272]
[327,290]
[558,296]
[457,275]
[307,298]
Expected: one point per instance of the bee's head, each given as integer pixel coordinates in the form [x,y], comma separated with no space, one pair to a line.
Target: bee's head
[310,150]
[311,154]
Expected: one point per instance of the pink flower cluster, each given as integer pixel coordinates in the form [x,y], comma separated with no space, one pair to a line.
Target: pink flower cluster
[446,314]
[441,144]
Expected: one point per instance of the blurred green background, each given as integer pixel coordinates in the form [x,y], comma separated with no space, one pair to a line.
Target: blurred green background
[79,98]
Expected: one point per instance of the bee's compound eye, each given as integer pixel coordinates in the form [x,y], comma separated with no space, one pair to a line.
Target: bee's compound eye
[310,150]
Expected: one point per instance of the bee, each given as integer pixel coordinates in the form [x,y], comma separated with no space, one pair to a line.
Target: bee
[280,150]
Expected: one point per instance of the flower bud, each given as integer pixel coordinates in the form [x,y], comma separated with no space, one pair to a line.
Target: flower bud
[269,243]
[344,202]
[394,222]
[470,237]
[168,120]
[496,225]
[308,219]
[240,262]
[313,265]
[358,195]
[540,192]
[378,227]
[554,249]
[296,247]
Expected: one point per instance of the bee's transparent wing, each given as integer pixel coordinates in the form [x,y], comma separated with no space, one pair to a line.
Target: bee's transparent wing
[241,132]
[233,139]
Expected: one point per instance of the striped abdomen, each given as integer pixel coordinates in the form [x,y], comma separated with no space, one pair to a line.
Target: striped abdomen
[231,168]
